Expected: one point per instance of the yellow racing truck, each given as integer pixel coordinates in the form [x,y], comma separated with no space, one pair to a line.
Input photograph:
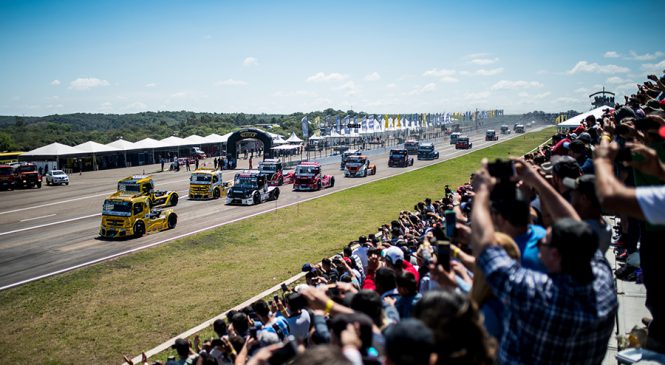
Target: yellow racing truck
[207,183]
[125,216]
[144,186]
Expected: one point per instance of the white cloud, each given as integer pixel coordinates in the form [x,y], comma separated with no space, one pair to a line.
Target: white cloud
[435,72]
[484,61]
[374,76]
[646,56]
[231,82]
[494,71]
[584,66]
[87,83]
[137,106]
[392,85]
[617,80]
[654,67]
[581,90]
[349,88]
[299,93]
[534,96]
[250,61]
[477,96]
[422,89]
[55,82]
[322,77]
[475,55]
[151,84]
[514,85]
[611,54]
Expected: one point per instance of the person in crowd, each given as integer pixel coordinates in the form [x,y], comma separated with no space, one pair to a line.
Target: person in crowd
[410,342]
[407,288]
[579,152]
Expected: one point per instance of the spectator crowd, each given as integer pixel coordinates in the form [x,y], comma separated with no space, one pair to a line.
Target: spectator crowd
[509,268]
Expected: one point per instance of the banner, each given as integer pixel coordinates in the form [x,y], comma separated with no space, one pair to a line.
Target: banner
[305,127]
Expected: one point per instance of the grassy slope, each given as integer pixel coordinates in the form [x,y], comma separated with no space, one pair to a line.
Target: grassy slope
[135,302]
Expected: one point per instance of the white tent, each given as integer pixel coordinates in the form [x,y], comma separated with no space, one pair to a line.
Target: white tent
[216,138]
[55,150]
[286,147]
[576,120]
[194,139]
[94,147]
[293,138]
[149,143]
[278,140]
[315,138]
[122,145]
[174,141]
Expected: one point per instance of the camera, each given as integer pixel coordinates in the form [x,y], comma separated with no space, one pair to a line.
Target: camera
[443,254]
[505,188]
[501,170]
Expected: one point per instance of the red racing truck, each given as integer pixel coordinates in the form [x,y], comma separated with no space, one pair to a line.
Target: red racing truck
[27,176]
[7,177]
[308,176]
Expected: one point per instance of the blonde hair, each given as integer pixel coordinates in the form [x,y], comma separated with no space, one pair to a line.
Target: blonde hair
[480,290]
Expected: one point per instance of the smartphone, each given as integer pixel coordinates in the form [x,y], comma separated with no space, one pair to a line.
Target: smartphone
[285,288]
[276,298]
[443,254]
[451,221]
[285,353]
[253,332]
[502,170]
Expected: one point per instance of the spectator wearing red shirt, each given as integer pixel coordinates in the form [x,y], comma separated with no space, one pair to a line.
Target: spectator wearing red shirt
[394,257]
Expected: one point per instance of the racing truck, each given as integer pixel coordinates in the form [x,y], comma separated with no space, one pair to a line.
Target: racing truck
[346,155]
[126,216]
[519,128]
[505,129]
[27,176]
[454,136]
[207,183]
[7,177]
[399,158]
[411,146]
[308,176]
[198,154]
[463,143]
[143,185]
[426,151]
[490,135]
[359,166]
[251,187]
[273,169]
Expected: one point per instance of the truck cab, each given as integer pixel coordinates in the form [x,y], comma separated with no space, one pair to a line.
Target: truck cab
[426,151]
[7,177]
[454,136]
[143,185]
[27,176]
[273,170]
[519,128]
[359,166]
[198,154]
[411,147]
[399,158]
[207,183]
[490,135]
[308,176]
[250,187]
[463,143]
[346,155]
[132,216]
[505,129]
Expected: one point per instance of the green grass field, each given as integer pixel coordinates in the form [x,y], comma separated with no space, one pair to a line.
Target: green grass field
[136,302]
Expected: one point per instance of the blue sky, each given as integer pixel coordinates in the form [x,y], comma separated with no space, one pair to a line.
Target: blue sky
[289,56]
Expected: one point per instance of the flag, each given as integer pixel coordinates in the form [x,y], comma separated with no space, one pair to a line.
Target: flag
[371,122]
[338,125]
[399,125]
[304,123]
[385,117]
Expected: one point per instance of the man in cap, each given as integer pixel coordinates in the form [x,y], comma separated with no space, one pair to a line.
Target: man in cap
[394,258]
[186,355]
[586,204]
[579,152]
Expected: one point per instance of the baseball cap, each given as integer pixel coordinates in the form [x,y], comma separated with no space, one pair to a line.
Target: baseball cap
[573,135]
[585,137]
[546,167]
[624,112]
[393,254]
[651,105]
[307,267]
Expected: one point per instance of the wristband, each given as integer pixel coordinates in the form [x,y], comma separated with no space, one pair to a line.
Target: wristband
[455,252]
[329,305]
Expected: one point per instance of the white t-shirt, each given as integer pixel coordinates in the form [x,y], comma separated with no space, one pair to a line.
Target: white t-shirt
[652,201]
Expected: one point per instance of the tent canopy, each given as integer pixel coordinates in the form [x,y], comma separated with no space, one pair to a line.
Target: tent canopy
[293,138]
[148,143]
[94,147]
[286,147]
[122,145]
[197,139]
[174,141]
[54,149]
[576,120]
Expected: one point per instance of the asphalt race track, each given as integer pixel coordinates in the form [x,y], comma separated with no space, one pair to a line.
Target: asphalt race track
[54,229]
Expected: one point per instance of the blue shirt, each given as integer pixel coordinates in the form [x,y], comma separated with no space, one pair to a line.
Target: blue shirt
[551,318]
[528,245]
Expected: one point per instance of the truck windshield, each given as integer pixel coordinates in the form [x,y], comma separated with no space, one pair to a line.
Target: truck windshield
[397,154]
[267,167]
[411,144]
[129,187]
[5,171]
[201,178]
[308,170]
[426,148]
[245,182]
[117,208]
[28,168]
[355,160]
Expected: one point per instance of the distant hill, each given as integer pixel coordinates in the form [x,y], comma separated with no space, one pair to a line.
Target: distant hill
[26,133]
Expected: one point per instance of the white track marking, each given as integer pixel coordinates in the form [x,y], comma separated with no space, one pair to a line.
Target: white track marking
[32,219]
[49,224]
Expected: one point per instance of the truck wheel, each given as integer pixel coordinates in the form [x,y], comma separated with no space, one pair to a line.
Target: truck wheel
[139,229]
[332,181]
[281,181]
[39,185]
[66,183]
[174,199]
[172,220]
[48,183]
[275,194]
[257,198]
[318,186]
[215,194]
